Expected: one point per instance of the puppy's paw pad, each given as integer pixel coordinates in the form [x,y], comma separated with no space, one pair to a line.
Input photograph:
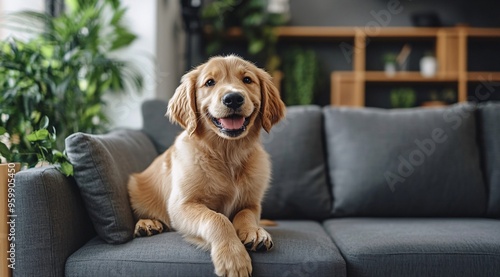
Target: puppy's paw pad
[149,227]
[256,239]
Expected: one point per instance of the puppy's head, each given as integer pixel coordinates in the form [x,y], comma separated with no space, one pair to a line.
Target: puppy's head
[228,96]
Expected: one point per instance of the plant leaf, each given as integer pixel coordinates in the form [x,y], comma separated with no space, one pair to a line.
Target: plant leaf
[73,5]
[38,135]
[66,168]
[4,151]
[255,46]
[44,122]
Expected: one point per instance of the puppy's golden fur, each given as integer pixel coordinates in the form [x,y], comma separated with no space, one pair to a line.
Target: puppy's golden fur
[209,184]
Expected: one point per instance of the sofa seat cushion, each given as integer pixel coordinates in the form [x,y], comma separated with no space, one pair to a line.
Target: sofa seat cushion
[302,248]
[418,247]
[405,162]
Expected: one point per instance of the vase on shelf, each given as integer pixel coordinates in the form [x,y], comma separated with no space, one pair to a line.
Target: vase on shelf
[428,66]
[390,69]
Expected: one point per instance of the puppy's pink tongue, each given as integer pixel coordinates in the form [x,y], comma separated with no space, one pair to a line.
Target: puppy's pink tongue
[232,123]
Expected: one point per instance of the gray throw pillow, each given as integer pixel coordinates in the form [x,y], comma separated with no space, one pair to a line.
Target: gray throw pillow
[404,162]
[299,188]
[489,138]
[102,165]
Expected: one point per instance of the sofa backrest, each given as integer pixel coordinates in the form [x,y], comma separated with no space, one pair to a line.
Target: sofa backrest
[157,126]
[374,162]
[405,162]
[488,121]
[299,187]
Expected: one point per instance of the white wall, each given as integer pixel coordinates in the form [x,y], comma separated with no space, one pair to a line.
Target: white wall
[125,110]
[10,6]
[157,52]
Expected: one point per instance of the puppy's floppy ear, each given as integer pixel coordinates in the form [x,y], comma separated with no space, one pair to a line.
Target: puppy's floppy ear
[272,108]
[182,106]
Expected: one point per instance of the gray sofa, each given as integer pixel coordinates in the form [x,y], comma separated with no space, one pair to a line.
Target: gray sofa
[355,192]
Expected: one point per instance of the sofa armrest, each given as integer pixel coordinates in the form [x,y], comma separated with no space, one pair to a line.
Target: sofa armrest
[51,222]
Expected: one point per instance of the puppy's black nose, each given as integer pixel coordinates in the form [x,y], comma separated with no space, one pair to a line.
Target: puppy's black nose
[233,100]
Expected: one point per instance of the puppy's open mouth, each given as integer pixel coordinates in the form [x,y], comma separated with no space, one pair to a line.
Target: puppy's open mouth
[233,125]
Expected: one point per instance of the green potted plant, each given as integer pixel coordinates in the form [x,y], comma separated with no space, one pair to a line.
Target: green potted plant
[57,79]
[389,60]
[40,148]
[301,71]
[403,97]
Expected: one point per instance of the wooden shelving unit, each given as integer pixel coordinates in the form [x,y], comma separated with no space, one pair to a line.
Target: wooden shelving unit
[348,87]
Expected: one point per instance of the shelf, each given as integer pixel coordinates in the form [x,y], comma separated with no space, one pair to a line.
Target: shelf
[315,32]
[402,32]
[333,32]
[386,32]
[483,32]
[345,32]
[408,76]
[301,32]
[482,76]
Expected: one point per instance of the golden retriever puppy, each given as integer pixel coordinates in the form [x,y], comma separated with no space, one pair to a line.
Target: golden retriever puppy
[209,184]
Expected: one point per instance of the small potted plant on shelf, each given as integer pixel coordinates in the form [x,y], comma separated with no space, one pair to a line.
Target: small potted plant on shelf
[403,98]
[389,60]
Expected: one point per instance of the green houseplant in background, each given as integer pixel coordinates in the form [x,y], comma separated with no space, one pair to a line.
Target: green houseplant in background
[56,80]
[404,97]
[256,22]
[301,71]
[41,148]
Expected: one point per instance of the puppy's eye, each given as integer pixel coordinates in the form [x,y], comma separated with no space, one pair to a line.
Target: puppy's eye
[247,80]
[210,83]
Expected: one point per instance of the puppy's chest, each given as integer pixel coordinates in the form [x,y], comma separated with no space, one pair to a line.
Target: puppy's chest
[226,188]
[226,202]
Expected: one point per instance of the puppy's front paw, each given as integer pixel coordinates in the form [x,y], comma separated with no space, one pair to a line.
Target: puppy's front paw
[231,260]
[149,227]
[255,239]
